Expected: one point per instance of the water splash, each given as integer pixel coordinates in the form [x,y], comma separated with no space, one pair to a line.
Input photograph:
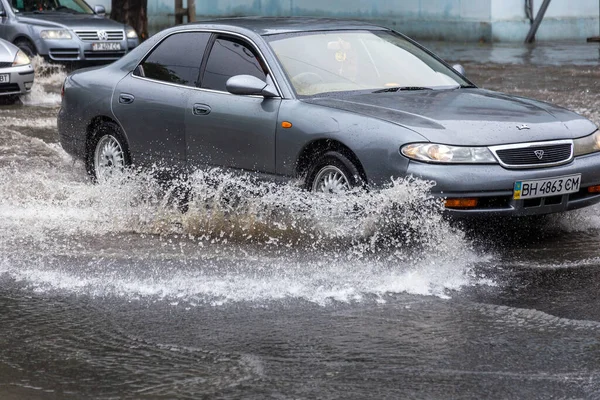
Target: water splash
[48,77]
[241,238]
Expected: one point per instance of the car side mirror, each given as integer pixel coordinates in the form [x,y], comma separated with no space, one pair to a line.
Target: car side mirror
[248,85]
[99,10]
[460,69]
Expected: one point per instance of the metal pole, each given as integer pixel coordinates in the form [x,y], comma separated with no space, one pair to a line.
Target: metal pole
[191,11]
[178,12]
[536,23]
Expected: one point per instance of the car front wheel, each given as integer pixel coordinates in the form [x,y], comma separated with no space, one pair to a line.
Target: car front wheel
[27,47]
[333,173]
[108,153]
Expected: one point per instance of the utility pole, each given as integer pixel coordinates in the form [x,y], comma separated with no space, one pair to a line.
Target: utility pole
[537,21]
[189,12]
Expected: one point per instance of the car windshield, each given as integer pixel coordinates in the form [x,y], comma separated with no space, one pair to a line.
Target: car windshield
[70,6]
[338,61]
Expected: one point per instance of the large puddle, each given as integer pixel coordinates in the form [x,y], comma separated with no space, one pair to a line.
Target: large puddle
[241,239]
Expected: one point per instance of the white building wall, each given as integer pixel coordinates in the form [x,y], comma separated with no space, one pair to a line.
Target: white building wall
[462,20]
[564,20]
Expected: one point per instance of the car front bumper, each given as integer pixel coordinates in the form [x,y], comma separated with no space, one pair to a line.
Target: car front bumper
[493,186]
[74,50]
[21,80]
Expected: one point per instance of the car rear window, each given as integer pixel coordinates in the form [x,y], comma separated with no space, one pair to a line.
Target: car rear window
[176,59]
[230,57]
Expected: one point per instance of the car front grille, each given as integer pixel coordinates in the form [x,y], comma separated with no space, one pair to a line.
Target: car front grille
[95,36]
[103,55]
[64,54]
[6,64]
[534,155]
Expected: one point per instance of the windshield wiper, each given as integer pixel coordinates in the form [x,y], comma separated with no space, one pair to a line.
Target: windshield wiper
[402,88]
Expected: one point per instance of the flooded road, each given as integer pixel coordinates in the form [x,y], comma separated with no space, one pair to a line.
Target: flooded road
[263,291]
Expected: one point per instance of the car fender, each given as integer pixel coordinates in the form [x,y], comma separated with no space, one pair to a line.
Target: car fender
[88,95]
[374,142]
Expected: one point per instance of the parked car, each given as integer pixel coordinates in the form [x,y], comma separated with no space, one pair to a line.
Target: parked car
[16,72]
[65,30]
[336,103]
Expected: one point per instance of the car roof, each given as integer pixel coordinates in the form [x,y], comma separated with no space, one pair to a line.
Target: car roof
[277,25]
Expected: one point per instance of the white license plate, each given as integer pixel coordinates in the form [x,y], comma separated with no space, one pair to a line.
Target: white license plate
[546,187]
[103,46]
[4,78]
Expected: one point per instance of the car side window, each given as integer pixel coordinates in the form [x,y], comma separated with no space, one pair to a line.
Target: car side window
[176,59]
[231,57]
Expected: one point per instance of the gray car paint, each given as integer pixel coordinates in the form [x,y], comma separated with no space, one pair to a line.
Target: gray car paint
[244,139]
[373,126]
[490,118]
[16,26]
[22,75]
[160,134]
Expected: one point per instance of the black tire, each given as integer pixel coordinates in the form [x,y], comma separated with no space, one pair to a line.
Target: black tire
[27,47]
[338,161]
[105,129]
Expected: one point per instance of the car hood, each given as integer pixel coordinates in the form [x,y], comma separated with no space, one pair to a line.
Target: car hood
[7,51]
[72,21]
[467,117]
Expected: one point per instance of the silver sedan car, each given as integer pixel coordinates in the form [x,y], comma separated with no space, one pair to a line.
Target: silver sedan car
[16,71]
[335,103]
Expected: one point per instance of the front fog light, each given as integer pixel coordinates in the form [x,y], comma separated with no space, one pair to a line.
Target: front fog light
[28,85]
[461,203]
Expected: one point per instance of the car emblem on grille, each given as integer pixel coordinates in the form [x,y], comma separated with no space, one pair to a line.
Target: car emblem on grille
[102,35]
[539,154]
[521,127]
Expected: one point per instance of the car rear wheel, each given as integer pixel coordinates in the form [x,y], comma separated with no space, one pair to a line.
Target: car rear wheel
[27,47]
[108,153]
[333,173]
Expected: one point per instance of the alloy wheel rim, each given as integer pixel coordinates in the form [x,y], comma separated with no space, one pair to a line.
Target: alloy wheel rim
[331,179]
[108,158]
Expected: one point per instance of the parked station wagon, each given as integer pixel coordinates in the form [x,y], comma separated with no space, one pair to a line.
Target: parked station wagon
[65,30]
[335,103]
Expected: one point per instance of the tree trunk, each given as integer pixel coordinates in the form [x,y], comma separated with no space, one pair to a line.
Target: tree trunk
[133,13]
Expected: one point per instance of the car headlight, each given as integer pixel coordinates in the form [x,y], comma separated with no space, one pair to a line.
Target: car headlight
[55,34]
[21,59]
[445,154]
[586,145]
[131,34]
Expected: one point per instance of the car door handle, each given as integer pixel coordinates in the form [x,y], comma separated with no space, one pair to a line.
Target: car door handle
[126,98]
[201,109]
